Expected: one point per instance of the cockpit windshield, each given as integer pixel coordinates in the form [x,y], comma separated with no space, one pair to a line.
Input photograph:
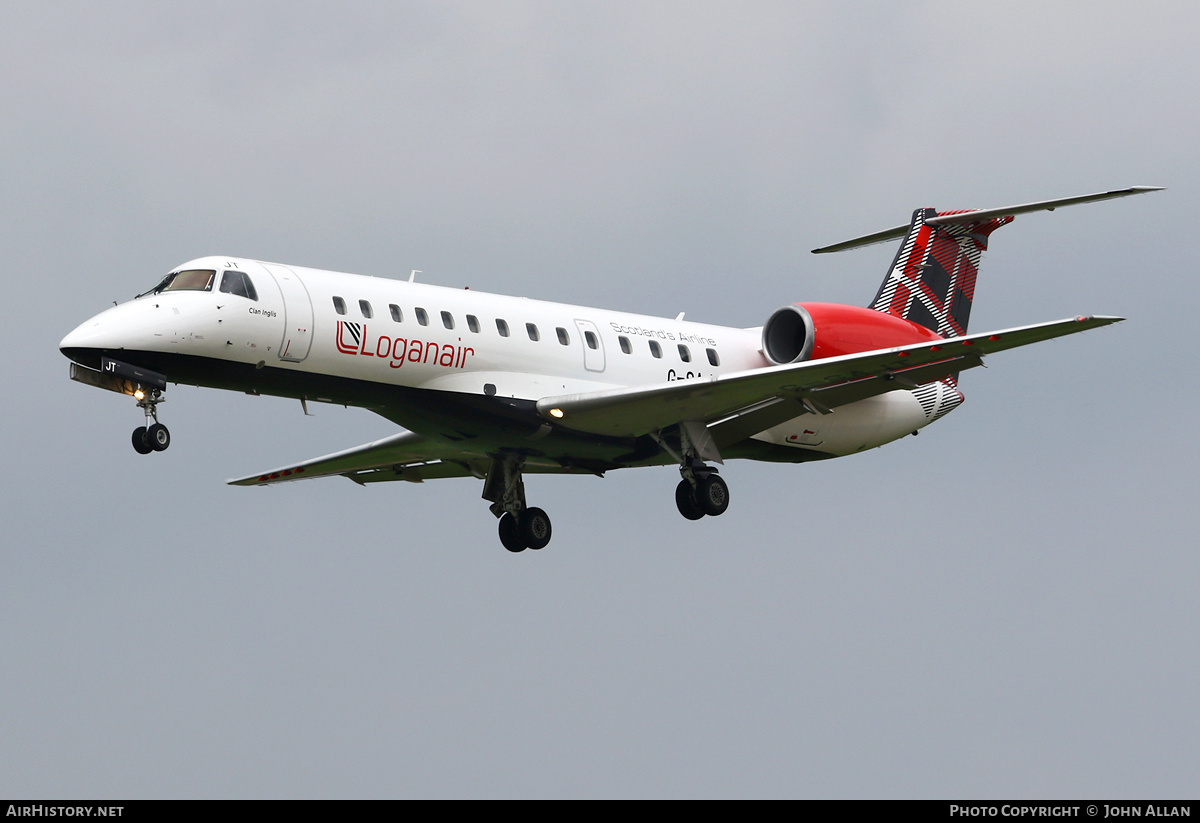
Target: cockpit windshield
[187,280]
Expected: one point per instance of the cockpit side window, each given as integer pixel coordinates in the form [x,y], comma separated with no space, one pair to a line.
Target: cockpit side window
[236,282]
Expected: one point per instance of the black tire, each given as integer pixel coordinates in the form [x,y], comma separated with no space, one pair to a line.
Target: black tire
[158,437]
[713,495]
[510,536]
[534,527]
[686,502]
[140,444]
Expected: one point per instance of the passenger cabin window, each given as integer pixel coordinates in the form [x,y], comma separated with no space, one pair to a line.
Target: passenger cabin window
[533,332]
[447,320]
[563,337]
[713,357]
[365,308]
[684,354]
[422,317]
[339,305]
[473,323]
[590,338]
[655,349]
[397,315]
[236,282]
[626,346]
[502,327]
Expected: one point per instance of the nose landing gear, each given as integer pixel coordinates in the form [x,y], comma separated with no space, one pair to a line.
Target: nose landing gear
[154,436]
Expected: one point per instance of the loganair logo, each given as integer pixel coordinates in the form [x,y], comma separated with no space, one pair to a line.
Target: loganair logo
[352,339]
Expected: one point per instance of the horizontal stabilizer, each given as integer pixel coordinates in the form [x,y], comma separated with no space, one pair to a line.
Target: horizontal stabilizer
[897,232]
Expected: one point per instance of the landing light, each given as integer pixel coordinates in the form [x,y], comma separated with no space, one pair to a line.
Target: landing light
[557,413]
[139,395]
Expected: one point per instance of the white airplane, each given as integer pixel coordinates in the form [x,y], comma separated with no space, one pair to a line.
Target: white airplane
[495,387]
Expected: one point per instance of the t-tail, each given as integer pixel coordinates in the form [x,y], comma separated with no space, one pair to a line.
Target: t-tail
[932,280]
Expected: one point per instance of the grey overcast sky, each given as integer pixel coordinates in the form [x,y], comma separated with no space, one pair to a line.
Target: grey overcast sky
[1003,606]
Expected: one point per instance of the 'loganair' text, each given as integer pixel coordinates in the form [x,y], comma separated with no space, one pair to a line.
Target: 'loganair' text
[352,339]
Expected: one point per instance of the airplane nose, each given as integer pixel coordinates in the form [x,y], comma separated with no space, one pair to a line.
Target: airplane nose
[130,326]
[71,341]
[74,347]
[85,342]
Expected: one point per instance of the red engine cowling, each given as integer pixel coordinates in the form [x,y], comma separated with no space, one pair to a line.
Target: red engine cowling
[811,331]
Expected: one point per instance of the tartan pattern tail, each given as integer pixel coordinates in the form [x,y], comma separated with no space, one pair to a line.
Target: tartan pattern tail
[932,280]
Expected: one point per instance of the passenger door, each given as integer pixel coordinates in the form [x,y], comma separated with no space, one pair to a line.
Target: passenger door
[593,346]
[297,314]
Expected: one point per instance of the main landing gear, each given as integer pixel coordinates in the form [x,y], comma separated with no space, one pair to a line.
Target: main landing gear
[701,492]
[528,530]
[154,436]
[521,527]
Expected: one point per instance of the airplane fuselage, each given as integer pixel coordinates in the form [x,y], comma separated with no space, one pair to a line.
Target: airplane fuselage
[461,365]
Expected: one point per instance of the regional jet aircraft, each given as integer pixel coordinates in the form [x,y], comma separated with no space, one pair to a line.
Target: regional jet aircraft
[496,387]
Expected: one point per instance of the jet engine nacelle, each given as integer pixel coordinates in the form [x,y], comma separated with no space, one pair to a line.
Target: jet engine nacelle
[811,331]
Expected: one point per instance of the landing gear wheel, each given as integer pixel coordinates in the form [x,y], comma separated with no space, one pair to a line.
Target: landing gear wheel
[140,444]
[686,501]
[158,438]
[534,527]
[713,495]
[510,535]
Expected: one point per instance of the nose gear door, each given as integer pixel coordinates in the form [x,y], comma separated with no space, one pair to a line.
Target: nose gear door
[297,314]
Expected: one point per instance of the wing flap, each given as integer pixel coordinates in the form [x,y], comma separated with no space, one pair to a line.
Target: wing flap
[826,383]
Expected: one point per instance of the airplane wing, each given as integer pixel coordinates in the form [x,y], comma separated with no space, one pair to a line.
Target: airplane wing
[405,456]
[765,397]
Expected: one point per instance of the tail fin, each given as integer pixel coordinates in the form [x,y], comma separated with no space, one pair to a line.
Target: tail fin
[932,280]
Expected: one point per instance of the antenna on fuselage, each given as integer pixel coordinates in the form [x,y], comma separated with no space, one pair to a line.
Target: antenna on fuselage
[413,276]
